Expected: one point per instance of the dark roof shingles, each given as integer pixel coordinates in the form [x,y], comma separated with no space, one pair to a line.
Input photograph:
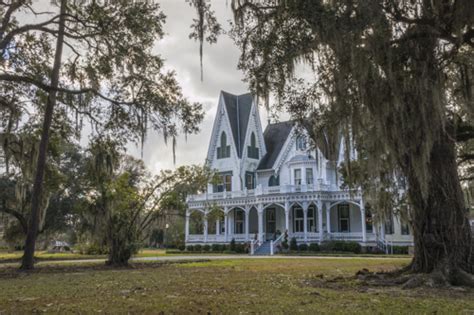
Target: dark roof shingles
[238,109]
[275,136]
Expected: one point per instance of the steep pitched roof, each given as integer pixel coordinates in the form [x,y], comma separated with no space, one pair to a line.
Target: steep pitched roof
[275,136]
[238,109]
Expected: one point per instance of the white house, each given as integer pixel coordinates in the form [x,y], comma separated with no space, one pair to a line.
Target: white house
[272,181]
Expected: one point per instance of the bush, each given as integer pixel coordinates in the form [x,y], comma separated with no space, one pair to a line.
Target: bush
[303,247]
[400,250]
[181,247]
[232,245]
[314,247]
[92,249]
[190,248]
[216,248]
[293,244]
[284,243]
[341,246]
[197,248]
[353,247]
[240,248]
[206,248]
[224,247]
[228,251]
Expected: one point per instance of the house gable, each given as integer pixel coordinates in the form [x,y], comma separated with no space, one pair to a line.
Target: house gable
[238,109]
[221,125]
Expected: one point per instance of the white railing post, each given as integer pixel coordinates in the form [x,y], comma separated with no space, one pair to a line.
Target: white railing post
[328,218]
[247,223]
[205,228]
[271,248]
[252,248]
[305,220]
[186,228]
[260,222]
[226,225]
[320,220]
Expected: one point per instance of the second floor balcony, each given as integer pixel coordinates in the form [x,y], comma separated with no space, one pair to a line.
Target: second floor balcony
[262,191]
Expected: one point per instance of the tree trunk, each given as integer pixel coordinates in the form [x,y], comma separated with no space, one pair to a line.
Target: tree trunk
[441,229]
[28,257]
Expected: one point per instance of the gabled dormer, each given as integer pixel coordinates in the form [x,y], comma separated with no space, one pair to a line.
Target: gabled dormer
[237,143]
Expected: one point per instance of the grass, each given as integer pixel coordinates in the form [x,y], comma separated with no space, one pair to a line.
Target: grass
[6,256]
[269,286]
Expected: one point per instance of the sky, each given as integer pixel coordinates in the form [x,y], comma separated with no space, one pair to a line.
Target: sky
[181,54]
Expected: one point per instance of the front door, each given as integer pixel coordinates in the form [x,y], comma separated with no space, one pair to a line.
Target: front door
[271,224]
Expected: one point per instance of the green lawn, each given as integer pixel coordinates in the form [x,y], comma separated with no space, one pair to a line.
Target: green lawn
[270,286]
[6,256]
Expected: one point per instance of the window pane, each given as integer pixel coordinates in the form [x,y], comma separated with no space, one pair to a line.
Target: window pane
[344,225]
[309,176]
[297,176]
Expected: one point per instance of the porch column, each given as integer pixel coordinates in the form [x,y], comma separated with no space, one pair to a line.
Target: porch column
[260,222]
[328,217]
[362,214]
[287,216]
[186,227]
[305,220]
[226,225]
[218,227]
[247,219]
[320,220]
[205,227]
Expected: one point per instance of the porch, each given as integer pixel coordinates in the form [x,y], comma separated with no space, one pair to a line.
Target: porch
[308,222]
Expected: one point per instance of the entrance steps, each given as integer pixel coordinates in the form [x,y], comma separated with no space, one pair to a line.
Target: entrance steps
[264,249]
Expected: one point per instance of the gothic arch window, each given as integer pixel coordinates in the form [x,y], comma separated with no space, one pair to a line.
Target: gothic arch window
[223,139]
[252,150]
[301,143]
[274,181]
[224,150]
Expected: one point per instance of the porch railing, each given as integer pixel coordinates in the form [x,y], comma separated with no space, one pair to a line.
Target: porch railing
[311,237]
[274,244]
[254,245]
[260,190]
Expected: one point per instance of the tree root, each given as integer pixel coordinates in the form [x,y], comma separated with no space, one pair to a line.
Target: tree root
[408,279]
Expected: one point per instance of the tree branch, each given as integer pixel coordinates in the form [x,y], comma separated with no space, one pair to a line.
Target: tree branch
[21,219]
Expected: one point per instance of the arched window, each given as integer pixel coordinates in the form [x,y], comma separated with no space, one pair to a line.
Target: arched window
[252,150]
[224,150]
[223,140]
[301,143]
[274,181]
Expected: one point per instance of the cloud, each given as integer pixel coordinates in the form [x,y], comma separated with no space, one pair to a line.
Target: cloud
[181,54]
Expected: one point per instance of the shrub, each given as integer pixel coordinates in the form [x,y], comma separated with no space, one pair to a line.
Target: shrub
[232,245]
[92,249]
[314,247]
[341,246]
[190,248]
[228,251]
[206,248]
[197,248]
[303,247]
[216,248]
[400,250]
[181,247]
[353,247]
[293,244]
[284,243]
[224,247]
[240,248]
